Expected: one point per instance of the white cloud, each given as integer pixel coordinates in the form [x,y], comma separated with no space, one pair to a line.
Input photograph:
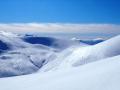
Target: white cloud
[61,27]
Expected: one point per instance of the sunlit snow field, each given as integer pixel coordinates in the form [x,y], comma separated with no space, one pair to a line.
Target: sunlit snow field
[34,62]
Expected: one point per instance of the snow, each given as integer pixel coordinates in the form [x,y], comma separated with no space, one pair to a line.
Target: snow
[25,58]
[73,57]
[76,67]
[22,58]
[101,75]
[10,34]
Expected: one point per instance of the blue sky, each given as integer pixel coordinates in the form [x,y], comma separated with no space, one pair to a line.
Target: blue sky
[60,11]
[76,17]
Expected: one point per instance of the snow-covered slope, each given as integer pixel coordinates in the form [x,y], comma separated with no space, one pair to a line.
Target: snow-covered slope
[18,57]
[12,40]
[101,75]
[98,65]
[83,55]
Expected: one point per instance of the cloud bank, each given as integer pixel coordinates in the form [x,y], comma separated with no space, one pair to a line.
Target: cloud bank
[61,28]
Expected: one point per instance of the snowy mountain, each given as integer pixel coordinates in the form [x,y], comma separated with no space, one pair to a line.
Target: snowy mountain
[73,57]
[18,57]
[57,64]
